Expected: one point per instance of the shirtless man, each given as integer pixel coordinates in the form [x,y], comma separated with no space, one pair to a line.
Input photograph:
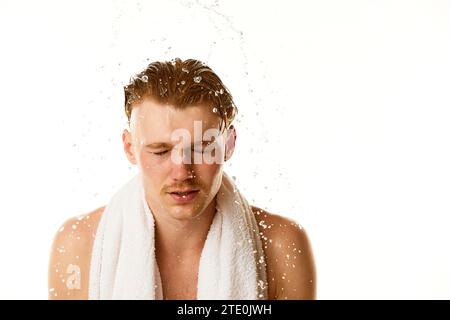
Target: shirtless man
[181,230]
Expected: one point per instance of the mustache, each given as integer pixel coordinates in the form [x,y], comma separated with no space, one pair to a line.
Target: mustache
[183,186]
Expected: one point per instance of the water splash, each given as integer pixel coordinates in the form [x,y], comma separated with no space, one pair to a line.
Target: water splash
[197,79]
[262,284]
[262,224]
[74,279]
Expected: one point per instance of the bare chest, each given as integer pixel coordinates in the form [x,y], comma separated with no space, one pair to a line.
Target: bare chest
[179,280]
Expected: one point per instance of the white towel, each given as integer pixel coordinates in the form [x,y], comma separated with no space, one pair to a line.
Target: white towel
[123,263]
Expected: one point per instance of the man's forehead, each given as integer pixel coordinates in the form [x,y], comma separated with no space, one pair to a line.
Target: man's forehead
[171,126]
[160,116]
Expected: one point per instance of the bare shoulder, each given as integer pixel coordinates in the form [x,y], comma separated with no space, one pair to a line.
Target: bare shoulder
[291,269]
[68,273]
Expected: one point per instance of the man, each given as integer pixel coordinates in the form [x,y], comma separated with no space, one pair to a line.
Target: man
[164,104]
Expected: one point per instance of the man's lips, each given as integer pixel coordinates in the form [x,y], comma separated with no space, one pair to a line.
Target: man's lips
[184,191]
[184,197]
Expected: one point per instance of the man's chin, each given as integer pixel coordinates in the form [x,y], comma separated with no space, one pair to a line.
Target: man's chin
[184,212]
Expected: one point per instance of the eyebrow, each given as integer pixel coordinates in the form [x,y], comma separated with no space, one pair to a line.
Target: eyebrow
[159,145]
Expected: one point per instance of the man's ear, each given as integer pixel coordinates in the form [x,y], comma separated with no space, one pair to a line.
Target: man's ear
[230,142]
[128,146]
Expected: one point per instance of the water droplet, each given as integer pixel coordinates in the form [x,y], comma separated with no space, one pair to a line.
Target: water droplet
[182,82]
[261,284]
[215,110]
[197,79]
[185,70]
[74,226]
[221,91]
[144,78]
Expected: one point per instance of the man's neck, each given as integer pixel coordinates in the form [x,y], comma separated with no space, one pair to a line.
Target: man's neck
[183,238]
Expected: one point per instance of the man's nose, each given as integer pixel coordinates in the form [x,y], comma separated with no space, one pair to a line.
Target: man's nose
[182,167]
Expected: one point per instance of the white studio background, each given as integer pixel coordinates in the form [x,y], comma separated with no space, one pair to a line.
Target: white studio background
[343,125]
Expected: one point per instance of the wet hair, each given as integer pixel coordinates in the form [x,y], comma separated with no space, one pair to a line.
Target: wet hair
[180,84]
